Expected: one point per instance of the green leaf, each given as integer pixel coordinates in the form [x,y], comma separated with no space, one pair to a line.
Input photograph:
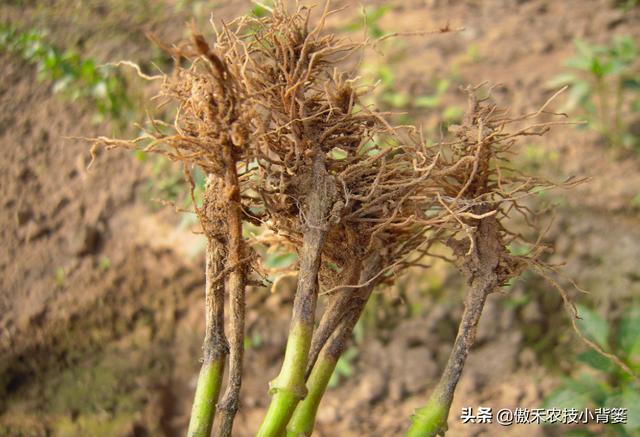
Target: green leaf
[595,360]
[579,63]
[280,260]
[140,155]
[370,18]
[337,154]
[583,48]
[592,325]
[259,11]
[630,83]
[442,86]
[426,101]
[631,401]
[628,337]
[375,31]
[518,249]
[452,113]
[373,15]
[397,100]
[598,68]
[566,397]
[387,77]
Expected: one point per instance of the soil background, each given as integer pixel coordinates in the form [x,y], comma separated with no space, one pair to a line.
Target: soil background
[101,288]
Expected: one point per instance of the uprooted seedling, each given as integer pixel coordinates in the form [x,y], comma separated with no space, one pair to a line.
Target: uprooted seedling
[481,179]
[288,145]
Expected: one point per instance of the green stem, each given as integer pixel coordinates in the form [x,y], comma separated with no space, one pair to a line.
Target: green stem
[480,266]
[289,387]
[304,417]
[204,404]
[430,420]
[215,347]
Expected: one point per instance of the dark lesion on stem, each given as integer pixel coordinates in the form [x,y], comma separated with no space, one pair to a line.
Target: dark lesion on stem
[479,258]
[235,283]
[345,307]
[318,194]
[319,199]
[334,313]
[215,345]
[331,345]
[351,307]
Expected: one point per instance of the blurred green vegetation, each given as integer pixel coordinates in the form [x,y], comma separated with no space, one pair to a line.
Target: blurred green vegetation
[379,70]
[604,86]
[601,383]
[627,5]
[166,182]
[71,75]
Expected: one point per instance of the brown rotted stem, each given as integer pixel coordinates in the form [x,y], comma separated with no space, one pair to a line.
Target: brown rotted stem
[334,313]
[215,342]
[289,387]
[474,304]
[481,268]
[215,348]
[431,420]
[235,284]
[352,307]
[343,303]
[303,420]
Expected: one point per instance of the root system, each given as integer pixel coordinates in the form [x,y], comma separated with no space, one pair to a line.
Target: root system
[288,145]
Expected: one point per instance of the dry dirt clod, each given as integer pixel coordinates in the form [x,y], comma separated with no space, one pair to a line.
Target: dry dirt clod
[23,215]
[86,241]
[34,230]
[372,388]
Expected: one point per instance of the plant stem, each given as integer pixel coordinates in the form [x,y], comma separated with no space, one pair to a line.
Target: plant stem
[215,349]
[480,267]
[204,403]
[304,417]
[236,281]
[289,387]
[333,314]
[605,118]
[431,420]
[303,420]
